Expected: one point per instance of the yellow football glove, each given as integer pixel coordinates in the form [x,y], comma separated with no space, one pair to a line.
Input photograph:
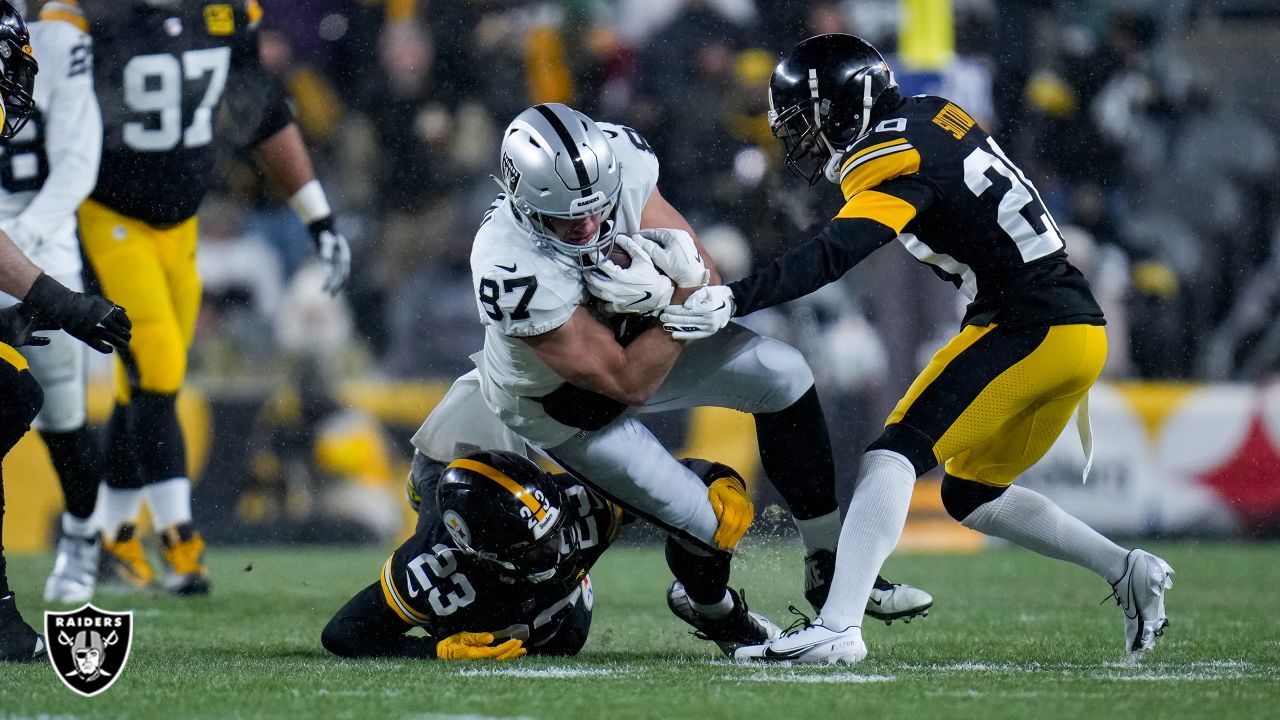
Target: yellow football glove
[733,508]
[478,646]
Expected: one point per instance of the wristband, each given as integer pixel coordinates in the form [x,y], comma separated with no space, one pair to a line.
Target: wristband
[310,203]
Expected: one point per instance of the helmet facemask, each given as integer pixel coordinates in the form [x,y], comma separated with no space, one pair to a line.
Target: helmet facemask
[17,83]
[537,560]
[815,141]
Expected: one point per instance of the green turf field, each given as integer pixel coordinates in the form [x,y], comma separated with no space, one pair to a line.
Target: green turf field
[1012,635]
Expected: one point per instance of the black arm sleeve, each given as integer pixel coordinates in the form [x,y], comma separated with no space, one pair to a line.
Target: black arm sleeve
[366,627]
[843,243]
[256,101]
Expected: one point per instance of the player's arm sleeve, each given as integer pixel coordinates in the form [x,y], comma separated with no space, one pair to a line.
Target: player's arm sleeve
[256,100]
[367,627]
[73,141]
[870,219]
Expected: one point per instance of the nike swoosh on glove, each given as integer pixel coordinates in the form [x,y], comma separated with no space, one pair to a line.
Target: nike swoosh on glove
[704,314]
[478,646]
[333,252]
[638,290]
[91,319]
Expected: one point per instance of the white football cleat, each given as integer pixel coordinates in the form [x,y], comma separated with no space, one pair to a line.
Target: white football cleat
[1140,594]
[814,643]
[75,570]
[892,601]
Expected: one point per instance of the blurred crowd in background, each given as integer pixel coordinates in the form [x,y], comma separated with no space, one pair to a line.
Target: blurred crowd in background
[1143,124]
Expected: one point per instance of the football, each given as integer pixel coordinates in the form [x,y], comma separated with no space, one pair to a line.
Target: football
[620,257]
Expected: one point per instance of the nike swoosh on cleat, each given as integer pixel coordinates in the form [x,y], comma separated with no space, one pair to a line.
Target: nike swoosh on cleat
[874,601]
[504,267]
[647,295]
[772,654]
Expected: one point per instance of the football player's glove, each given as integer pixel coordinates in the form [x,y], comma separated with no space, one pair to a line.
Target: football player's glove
[333,252]
[478,646]
[19,325]
[702,315]
[91,319]
[733,509]
[674,253]
[639,289]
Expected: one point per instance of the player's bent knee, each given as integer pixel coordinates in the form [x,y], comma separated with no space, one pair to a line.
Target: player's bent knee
[19,408]
[341,636]
[788,370]
[160,357]
[961,497]
[909,443]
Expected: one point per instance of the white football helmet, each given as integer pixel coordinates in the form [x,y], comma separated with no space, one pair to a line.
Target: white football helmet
[557,163]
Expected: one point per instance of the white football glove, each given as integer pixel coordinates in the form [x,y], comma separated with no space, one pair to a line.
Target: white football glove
[706,311]
[333,252]
[637,290]
[674,253]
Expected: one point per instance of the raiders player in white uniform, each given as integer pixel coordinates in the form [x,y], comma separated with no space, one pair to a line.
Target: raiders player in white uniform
[45,173]
[569,349]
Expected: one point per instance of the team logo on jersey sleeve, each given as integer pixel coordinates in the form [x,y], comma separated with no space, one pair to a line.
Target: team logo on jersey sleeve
[219,19]
[88,647]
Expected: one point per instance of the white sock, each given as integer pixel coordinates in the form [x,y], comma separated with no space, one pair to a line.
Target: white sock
[714,610]
[79,528]
[1029,519]
[170,502]
[872,528]
[117,507]
[820,533]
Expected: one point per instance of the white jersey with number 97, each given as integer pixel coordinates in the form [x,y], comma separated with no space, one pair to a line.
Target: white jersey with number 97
[523,290]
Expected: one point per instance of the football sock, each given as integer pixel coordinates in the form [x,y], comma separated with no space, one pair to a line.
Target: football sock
[4,580]
[871,531]
[120,467]
[170,502]
[157,437]
[820,533]
[704,573]
[117,506]
[1027,518]
[795,451]
[73,526]
[74,458]
[714,610]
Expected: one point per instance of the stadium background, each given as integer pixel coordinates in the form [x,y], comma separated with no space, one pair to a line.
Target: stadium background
[1150,138]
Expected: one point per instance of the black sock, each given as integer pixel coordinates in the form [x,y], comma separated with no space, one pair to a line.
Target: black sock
[76,461]
[4,579]
[157,436]
[795,451]
[120,467]
[704,573]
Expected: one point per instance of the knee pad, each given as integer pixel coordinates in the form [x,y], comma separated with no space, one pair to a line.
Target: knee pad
[961,497]
[909,443]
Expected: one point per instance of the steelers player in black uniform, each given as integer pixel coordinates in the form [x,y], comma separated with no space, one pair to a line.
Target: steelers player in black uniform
[164,71]
[46,305]
[995,398]
[497,566]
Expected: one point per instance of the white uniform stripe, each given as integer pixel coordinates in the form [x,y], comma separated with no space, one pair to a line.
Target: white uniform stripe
[942,261]
[873,155]
[395,595]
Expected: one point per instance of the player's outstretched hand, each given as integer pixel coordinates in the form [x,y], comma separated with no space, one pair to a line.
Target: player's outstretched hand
[702,315]
[91,319]
[19,325]
[478,646]
[333,252]
[674,253]
[637,289]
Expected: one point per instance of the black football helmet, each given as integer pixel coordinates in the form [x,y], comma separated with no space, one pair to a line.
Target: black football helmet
[501,508]
[17,72]
[822,98]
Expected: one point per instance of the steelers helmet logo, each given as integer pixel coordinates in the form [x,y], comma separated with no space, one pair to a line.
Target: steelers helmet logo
[457,528]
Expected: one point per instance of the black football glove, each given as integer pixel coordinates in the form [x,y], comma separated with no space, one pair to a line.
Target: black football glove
[91,319]
[333,252]
[19,325]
